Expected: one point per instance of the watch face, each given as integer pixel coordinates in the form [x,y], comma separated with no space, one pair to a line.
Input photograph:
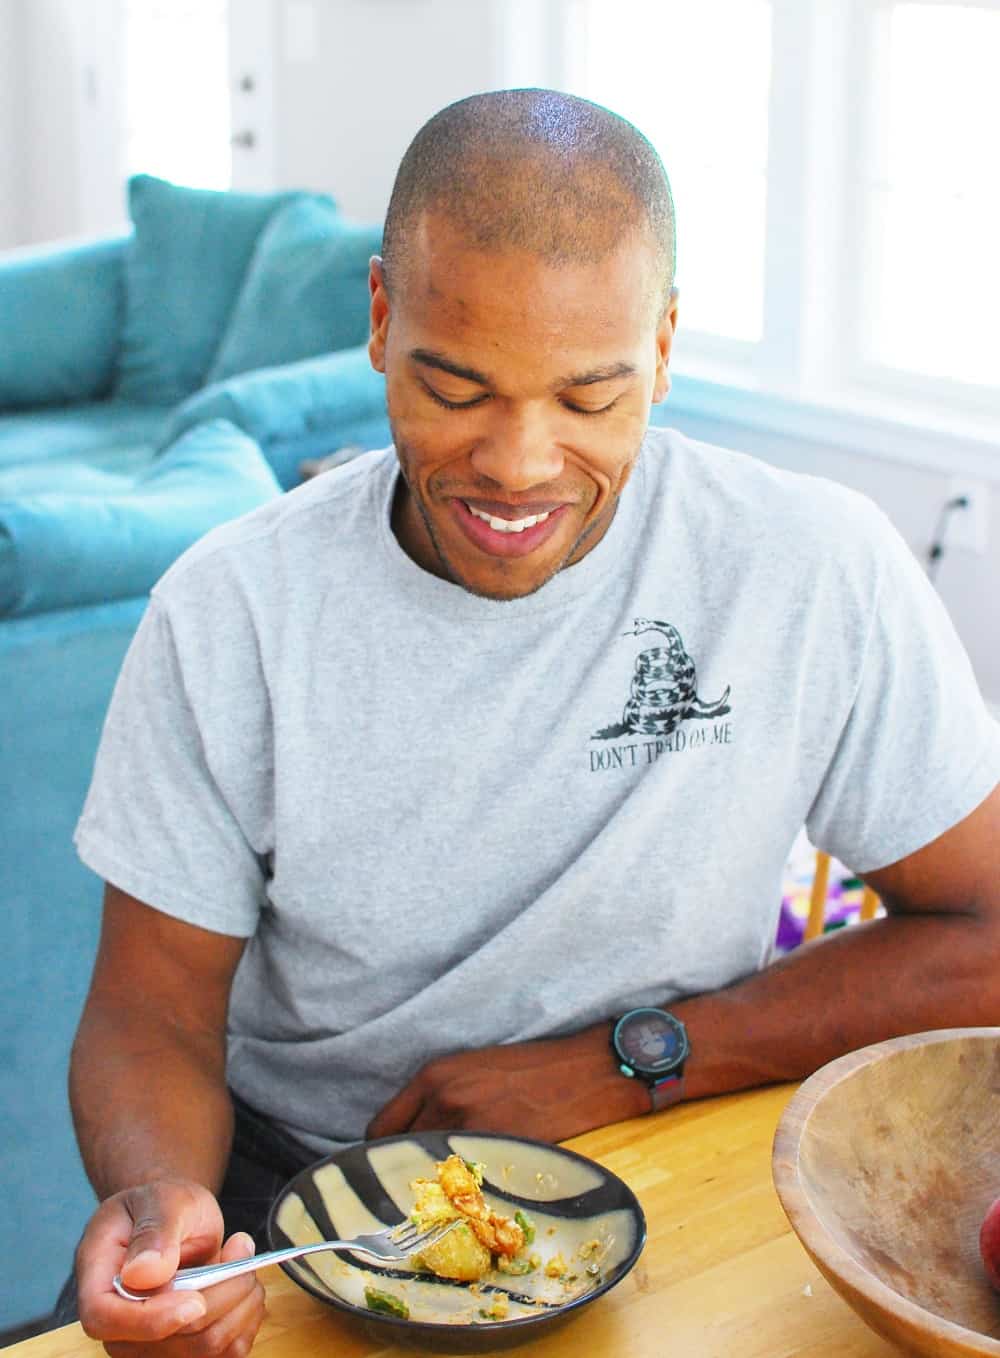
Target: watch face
[651,1040]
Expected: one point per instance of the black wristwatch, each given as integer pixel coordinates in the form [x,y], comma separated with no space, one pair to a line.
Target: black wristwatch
[652,1045]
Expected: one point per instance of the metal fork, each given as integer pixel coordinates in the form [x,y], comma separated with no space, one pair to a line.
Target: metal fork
[391,1245]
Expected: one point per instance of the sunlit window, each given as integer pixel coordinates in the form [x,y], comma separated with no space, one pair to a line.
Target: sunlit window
[932,281]
[177,91]
[695,78]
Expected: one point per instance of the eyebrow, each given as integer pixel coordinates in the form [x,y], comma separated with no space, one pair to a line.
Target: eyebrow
[430,358]
[612,370]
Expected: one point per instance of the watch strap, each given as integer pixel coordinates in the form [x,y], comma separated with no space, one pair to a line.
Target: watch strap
[666,1092]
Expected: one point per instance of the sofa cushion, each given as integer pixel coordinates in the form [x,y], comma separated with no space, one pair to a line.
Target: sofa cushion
[305,292]
[109,434]
[62,312]
[296,411]
[58,550]
[183,272]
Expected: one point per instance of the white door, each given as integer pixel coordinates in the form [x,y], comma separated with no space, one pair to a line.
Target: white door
[252,37]
[90,46]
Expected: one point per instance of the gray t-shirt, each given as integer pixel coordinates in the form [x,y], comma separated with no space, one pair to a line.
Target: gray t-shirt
[445,822]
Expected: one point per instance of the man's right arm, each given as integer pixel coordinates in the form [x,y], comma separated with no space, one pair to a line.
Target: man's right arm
[147,1077]
[154,1123]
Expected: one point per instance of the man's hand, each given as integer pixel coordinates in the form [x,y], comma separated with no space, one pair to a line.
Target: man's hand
[146,1234]
[551,1090]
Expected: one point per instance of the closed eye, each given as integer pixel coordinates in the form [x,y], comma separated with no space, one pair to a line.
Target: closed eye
[454,405]
[485,396]
[584,410]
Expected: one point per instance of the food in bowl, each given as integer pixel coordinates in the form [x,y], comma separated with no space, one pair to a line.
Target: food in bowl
[483,1240]
[386,1303]
[580,1212]
[483,1243]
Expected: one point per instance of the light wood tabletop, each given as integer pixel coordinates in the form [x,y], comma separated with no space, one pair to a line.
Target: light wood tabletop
[721,1276]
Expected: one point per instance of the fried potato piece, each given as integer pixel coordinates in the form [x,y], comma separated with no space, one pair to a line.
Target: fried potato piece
[499,1234]
[431,1205]
[457,1193]
[462,1188]
[458,1255]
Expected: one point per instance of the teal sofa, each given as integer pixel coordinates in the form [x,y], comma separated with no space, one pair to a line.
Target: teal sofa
[151,386]
[248,307]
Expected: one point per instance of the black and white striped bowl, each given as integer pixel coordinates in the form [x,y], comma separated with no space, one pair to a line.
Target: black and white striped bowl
[572,1201]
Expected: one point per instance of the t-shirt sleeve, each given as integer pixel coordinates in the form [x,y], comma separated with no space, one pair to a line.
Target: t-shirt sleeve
[156,822]
[920,750]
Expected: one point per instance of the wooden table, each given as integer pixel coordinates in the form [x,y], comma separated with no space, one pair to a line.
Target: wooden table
[722,1274]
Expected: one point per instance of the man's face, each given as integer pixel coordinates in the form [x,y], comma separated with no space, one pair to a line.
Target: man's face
[518,396]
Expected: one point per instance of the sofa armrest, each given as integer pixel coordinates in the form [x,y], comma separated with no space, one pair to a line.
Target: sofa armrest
[61,310]
[295,408]
[58,672]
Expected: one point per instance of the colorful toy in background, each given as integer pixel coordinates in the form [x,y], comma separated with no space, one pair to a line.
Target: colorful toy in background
[844,896]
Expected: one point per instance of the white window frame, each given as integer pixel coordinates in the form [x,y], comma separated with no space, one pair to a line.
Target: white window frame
[807,375]
[869,27]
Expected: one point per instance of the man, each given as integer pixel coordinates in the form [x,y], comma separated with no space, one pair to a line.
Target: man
[419,780]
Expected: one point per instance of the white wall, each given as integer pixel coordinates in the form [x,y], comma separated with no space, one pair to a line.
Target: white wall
[49,170]
[12,130]
[347,109]
[60,113]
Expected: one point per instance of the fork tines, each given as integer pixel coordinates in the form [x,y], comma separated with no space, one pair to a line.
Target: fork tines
[411,1238]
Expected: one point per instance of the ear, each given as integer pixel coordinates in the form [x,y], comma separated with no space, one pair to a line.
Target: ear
[379,313]
[665,332]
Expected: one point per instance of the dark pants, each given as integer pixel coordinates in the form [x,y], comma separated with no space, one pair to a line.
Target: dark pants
[262,1160]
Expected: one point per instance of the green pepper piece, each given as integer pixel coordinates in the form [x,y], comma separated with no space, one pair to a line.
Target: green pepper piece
[385,1304]
[526,1225]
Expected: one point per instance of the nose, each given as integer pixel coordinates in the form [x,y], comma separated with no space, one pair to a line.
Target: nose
[520,450]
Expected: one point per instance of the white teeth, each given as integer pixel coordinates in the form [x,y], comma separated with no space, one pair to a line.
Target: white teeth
[508,525]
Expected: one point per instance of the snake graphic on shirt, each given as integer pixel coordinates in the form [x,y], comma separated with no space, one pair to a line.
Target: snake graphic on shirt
[663,692]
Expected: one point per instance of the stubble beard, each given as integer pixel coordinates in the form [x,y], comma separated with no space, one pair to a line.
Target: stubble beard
[448,569]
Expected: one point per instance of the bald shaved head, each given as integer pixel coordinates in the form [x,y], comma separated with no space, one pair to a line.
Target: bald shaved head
[539,171]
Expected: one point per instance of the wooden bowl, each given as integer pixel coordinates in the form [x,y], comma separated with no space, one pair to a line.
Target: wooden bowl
[885,1162]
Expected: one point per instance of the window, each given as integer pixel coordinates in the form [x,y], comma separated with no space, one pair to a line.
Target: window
[932,193]
[835,172]
[704,106]
[177,91]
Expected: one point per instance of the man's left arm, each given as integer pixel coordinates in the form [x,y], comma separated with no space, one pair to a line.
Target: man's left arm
[933,962]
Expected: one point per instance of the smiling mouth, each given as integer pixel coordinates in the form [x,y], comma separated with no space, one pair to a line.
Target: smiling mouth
[500,525]
[511,531]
